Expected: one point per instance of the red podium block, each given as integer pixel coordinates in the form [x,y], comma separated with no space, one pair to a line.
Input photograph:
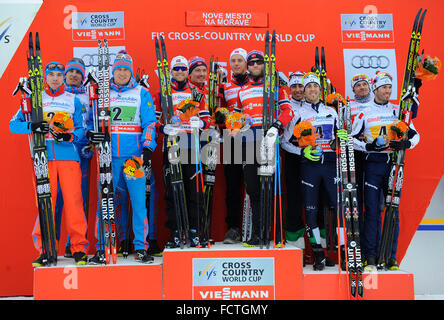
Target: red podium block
[232,272]
[127,280]
[381,285]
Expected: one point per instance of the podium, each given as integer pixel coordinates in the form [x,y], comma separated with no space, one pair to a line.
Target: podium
[128,279]
[221,272]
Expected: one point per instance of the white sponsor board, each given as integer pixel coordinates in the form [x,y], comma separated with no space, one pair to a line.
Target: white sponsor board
[369,61]
[15,18]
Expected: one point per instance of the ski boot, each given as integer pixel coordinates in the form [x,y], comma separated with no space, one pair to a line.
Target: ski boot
[174,241]
[194,238]
[319,257]
[125,248]
[143,257]
[370,264]
[41,261]
[232,236]
[153,248]
[80,258]
[98,258]
[392,265]
[68,253]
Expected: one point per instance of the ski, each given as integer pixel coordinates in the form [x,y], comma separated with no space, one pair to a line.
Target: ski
[102,117]
[396,176]
[39,154]
[323,77]
[211,156]
[349,202]
[264,179]
[175,169]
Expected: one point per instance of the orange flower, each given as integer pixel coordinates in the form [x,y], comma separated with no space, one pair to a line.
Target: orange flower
[61,122]
[235,121]
[189,108]
[304,133]
[429,69]
[398,130]
[334,98]
[132,167]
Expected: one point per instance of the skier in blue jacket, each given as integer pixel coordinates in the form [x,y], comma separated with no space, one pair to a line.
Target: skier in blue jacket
[133,123]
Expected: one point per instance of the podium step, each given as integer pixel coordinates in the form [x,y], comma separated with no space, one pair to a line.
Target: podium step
[232,272]
[128,279]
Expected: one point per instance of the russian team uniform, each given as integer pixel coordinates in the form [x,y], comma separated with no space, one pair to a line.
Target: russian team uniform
[63,164]
[133,122]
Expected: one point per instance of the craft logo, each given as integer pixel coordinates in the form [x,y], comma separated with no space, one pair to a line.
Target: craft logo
[4,27]
[233,278]
[367,28]
[90,26]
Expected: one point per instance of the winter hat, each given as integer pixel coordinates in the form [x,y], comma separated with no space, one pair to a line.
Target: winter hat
[195,62]
[179,59]
[295,78]
[381,79]
[255,54]
[241,52]
[358,78]
[123,60]
[54,66]
[310,78]
[76,64]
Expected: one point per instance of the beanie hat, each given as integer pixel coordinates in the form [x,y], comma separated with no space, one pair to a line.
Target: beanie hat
[255,54]
[310,78]
[76,64]
[358,78]
[381,79]
[179,59]
[241,52]
[54,66]
[195,62]
[123,60]
[295,78]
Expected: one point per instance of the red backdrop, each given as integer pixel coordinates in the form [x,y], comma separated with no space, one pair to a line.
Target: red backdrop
[143,19]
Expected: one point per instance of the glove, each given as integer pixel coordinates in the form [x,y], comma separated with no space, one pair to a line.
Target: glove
[146,157]
[95,137]
[87,151]
[342,134]
[400,145]
[377,145]
[40,127]
[195,122]
[62,136]
[310,154]
[171,129]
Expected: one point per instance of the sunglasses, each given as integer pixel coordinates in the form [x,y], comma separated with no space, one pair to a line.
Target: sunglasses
[360,77]
[123,56]
[384,74]
[55,66]
[180,69]
[258,62]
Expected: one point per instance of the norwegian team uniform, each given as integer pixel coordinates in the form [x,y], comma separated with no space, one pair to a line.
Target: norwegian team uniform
[374,121]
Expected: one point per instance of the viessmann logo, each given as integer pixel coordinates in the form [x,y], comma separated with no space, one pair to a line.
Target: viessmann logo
[367,28]
[4,27]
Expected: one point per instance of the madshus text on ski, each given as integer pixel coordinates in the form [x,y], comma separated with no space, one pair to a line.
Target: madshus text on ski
[334,155]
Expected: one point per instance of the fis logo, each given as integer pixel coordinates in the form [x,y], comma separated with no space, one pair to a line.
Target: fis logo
[4,27]
[209,272]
